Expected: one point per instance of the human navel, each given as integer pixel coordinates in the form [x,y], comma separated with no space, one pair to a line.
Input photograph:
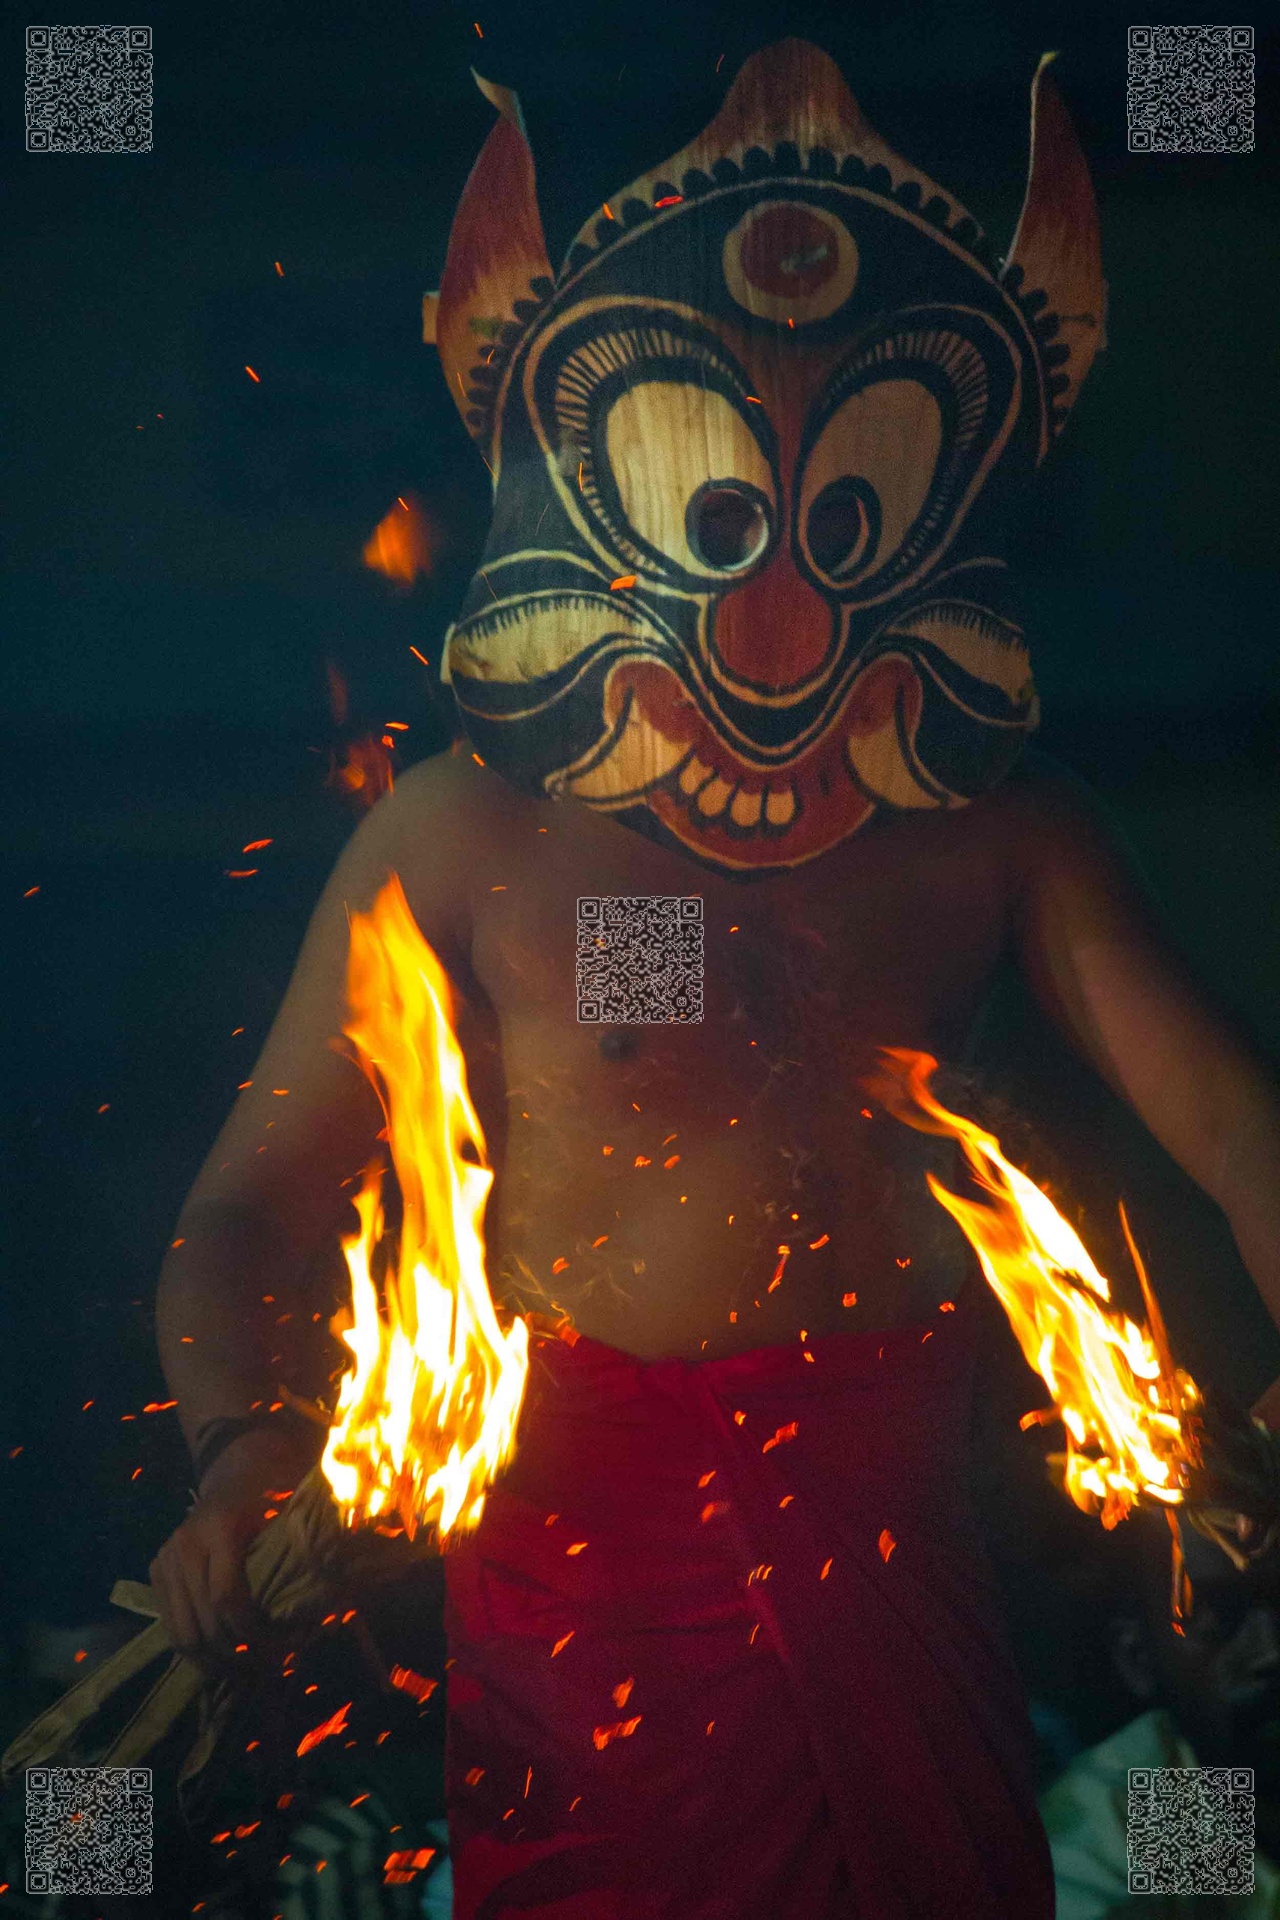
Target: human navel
[619,1043]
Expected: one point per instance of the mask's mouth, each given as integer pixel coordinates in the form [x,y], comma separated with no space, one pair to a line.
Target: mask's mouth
[946,686]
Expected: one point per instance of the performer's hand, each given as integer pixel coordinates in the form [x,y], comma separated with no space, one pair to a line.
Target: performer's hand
[1234,1497]
[198,1575]
[1267,1406]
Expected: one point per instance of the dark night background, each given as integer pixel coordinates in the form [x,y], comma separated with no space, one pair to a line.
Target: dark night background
[174,587]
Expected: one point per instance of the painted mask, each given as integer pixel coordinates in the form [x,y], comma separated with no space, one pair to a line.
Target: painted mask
[757,452]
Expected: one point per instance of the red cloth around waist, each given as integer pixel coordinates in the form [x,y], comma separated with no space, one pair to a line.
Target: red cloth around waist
[726,1646]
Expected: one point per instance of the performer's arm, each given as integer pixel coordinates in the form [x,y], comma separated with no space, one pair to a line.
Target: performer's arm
[273,1195]
[1095,953]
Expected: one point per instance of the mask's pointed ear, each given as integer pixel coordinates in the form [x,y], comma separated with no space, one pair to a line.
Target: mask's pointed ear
[1056,249]
[497,262]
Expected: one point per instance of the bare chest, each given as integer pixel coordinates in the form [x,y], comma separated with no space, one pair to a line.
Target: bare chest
[652,1173]
[894,934]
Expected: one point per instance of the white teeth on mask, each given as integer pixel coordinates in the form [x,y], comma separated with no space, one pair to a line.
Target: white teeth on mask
[713,797]
[876,758]
[693,774]
[779,806]
[641,757]
[745,808]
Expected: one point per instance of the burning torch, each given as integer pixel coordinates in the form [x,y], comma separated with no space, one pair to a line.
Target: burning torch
[1139,1431]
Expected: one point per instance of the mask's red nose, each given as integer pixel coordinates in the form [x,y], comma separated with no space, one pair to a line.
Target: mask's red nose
[775,628]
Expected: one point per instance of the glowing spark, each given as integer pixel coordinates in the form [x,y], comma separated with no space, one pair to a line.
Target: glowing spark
[416,1685]
[336,1723]
[621,1730]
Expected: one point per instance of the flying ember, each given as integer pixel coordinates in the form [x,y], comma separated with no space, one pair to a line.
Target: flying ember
[427,1414]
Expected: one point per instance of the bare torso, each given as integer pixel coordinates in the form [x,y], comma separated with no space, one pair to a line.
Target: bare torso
[649,1178]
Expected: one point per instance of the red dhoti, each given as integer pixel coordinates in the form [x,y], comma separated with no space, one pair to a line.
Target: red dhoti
[726,1646]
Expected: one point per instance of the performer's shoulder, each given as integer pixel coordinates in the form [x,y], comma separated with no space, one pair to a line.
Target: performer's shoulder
[453,791]
[1041,778]
[1054,824]
[1043,795]
[440,825]
[425,830]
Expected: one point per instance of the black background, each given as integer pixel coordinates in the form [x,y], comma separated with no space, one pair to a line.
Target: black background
[174,587]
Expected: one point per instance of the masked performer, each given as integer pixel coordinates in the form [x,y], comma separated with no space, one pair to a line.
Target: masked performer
[725,1642]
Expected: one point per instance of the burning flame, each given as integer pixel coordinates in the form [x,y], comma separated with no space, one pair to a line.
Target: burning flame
[361,768]
[402,545]
[1123,1403]
[364,770]
[427,1414]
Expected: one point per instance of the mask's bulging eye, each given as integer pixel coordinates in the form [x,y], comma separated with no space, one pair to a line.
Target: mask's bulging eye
[844,525]
[868,477]
[691,479]
[726,524]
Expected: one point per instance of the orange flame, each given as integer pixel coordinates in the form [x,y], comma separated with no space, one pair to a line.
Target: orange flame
[403,544]
[427,1414]
[1123,1403]
[364,771]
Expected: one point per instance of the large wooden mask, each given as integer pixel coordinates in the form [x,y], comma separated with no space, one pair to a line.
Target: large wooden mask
[756,454]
